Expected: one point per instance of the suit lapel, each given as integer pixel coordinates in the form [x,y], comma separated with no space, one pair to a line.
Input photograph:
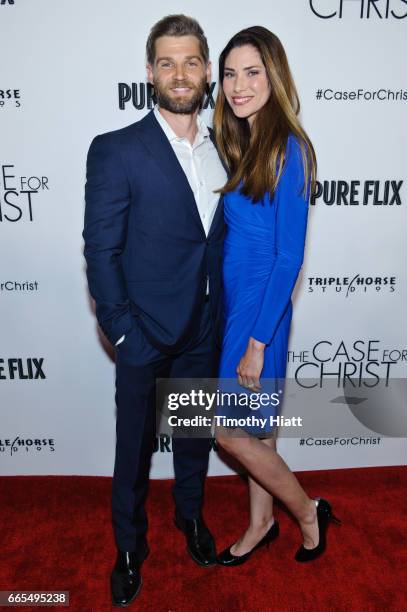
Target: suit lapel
[157,143]
[217,216]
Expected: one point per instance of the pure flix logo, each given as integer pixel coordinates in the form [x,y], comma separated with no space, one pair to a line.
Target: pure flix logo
[361,363]
[141,95]
[163,444]
[19,368]
[10,97]
[349,285]
[18,194]
[359,9]
[358,193]
[17,444]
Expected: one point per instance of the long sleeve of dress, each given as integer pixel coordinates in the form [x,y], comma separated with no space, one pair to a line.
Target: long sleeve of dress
[291,225]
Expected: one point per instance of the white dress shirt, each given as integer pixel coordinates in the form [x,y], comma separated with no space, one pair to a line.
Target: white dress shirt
[202,167]
[201,164]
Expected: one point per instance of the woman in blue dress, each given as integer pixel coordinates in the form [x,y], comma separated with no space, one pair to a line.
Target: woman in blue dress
[272,166]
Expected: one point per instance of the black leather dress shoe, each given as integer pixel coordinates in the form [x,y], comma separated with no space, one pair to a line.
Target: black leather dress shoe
[200,542]
[125,580]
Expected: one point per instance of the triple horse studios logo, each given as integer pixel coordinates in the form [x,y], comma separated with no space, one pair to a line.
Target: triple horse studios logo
[10,97]
[18,194]
[349,285]
[17,444]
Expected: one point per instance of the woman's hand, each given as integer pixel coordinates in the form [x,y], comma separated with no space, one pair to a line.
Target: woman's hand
[251,365]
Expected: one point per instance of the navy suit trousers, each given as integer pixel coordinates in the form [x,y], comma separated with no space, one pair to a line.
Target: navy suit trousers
[138,364]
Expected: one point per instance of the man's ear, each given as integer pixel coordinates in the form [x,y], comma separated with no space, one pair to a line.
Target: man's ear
[209,72]
[150,75]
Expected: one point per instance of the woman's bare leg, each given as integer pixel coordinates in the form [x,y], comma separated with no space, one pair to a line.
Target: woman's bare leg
[261,514]
[266,466]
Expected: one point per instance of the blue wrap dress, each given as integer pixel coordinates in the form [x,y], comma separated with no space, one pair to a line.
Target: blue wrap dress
[263,254]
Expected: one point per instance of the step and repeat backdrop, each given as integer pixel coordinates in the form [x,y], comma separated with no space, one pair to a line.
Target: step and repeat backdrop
[72,69]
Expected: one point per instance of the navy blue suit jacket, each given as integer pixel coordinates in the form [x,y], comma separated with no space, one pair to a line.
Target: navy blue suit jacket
[145,246]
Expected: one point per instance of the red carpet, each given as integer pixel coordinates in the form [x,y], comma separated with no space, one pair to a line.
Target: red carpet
[56,534]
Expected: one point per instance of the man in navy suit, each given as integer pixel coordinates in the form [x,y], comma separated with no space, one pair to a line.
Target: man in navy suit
[153,244]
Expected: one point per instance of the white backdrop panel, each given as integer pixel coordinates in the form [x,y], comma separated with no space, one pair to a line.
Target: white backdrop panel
[65,59]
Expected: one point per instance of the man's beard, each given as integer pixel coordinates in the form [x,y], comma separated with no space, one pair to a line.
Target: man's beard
[180,106]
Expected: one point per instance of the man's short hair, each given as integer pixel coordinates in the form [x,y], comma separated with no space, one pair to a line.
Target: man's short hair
[176,25]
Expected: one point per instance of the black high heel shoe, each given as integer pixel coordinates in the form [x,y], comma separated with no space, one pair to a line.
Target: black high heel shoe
[226,557]
[324,516]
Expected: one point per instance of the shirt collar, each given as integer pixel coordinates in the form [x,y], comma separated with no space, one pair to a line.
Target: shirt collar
[201,136]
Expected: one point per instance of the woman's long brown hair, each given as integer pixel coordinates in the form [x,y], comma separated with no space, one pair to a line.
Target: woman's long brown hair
[256,157]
